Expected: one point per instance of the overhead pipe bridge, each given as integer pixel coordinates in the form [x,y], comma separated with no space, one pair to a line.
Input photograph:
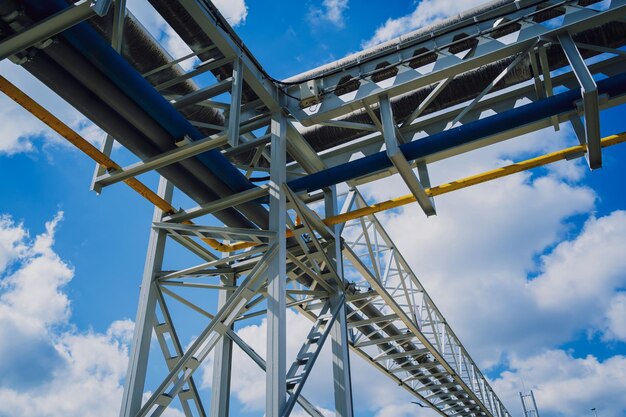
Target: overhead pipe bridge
[257,154]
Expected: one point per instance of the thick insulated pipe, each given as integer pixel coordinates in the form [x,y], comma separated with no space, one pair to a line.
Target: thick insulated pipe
[95,49]
[458,136]
[111,95]
[94,153]
[55,77]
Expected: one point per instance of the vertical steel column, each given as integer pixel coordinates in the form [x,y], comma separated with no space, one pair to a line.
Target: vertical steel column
[117,36]
[222,362]
[276,383]
[339,332]
[138,360]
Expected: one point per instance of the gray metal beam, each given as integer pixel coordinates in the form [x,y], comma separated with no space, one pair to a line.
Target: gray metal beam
[235,103]
[340,342]
[162,160]
[52,25]
[487,49]
[222,361]
[591,103]
[276,383]
[399,161]
[252,72]
[202,94]
[140,348]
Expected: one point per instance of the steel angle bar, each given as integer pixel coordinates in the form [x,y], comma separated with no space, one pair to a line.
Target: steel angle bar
[441,85]
[52,25]
[253,235]
[184,284]
[308,216]
[306,358]
[373,320]
[178,61]
[160,329]
[302,151]
[487,49]
[225,41]
[350,125]
[547,80]
[213,263]
[373,117]
[309,271]
[140,348]
[235,103]
[162,160]
[215,206]
[203,94]
[117,35]
[374,342]
[186,302]
[193,246]
[408,322]
[603,49]
[591,103]
[204,67]
[248,350]
[492,84]
[203,345]
[399,161]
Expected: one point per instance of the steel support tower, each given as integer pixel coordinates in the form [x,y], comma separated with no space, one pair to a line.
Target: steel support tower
[292,242]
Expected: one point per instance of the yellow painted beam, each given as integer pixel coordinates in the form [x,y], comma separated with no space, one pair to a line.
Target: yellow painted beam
[94,153]
[546,159]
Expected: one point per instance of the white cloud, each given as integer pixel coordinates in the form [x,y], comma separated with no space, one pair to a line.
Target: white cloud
[616,318]
[331,11]
[20,130]
[475,257]
[567,386]
[235,11]
[426,12]
[47,368]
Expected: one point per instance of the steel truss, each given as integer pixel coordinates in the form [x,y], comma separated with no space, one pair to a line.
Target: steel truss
[370,302]
[349,279]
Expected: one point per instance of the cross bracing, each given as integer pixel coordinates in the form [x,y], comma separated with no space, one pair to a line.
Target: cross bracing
[490,74]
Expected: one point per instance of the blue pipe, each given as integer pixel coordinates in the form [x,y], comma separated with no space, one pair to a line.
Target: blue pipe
[96,50]
[455,137]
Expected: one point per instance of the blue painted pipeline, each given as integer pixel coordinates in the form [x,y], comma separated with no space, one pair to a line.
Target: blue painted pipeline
[458,136]
[97,50]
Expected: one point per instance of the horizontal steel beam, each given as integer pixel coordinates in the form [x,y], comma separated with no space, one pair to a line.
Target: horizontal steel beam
[53,25]
[162,160]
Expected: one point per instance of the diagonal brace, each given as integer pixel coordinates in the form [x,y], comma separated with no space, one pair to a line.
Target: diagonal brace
[399,161]
[591,103]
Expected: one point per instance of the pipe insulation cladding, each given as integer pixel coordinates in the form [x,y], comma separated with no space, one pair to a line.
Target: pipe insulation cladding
[83,46]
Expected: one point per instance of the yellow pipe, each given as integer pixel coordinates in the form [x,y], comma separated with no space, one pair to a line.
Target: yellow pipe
[82,144]
[475,179]
[94,153]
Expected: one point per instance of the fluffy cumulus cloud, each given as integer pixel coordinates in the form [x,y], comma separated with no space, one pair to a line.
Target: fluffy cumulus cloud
[515,271]
[235,11]
[567,386]
[330,11]
[20,131]
[425,13]
[47,368]
[248,381]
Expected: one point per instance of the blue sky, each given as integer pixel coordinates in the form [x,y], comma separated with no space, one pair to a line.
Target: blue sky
[529,270]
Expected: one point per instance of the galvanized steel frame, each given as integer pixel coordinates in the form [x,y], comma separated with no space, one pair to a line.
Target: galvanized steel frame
[380,310]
